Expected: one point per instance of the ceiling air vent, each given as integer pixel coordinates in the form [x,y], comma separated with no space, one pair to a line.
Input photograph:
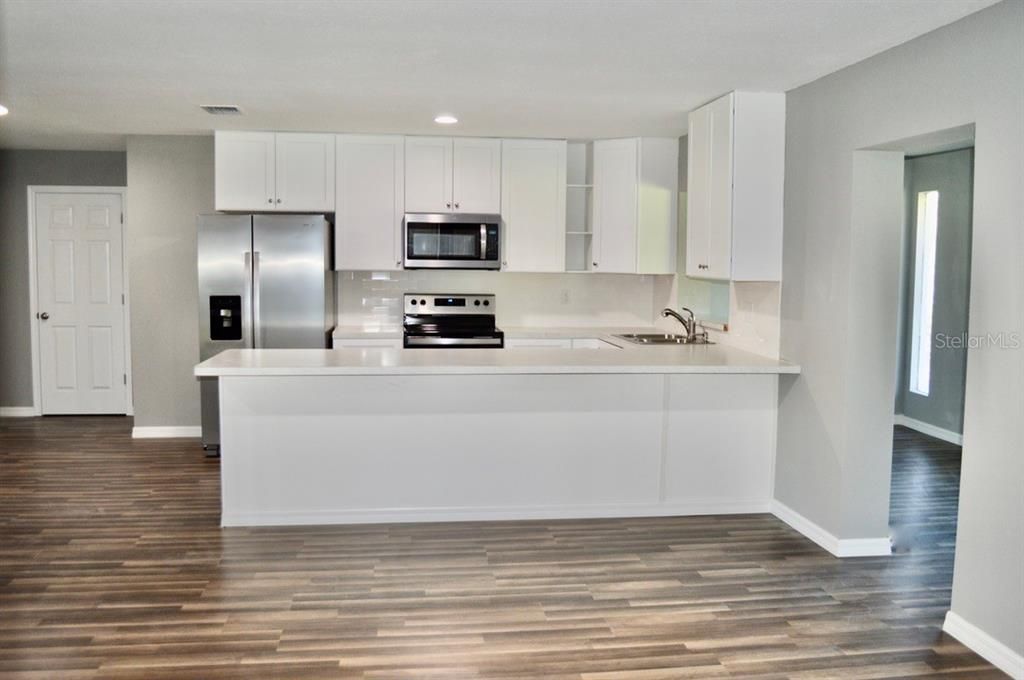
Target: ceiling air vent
[221,109]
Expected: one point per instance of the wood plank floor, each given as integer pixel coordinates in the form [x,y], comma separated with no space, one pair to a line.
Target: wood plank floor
[112,565]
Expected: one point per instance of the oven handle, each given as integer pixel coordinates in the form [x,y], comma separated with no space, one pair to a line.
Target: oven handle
[483,241]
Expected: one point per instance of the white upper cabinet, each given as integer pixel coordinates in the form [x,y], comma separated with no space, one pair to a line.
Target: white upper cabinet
[428,174]
[476,185]
[305,172]
[267,171]
[635,205]
[370,202]
[735,167]
[244,171]
[446,175]
[533,185]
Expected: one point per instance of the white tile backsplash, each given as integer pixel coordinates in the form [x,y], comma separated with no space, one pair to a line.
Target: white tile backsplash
[373,300]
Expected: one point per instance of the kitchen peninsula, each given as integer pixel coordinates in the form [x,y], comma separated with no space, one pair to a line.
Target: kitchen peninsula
[392,435]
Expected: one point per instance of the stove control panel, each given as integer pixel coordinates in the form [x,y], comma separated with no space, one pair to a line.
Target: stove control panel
[434,303]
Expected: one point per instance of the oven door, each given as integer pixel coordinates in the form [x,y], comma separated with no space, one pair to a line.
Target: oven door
[452,241]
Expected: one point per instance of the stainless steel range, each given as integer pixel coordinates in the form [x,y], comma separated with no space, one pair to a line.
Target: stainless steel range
[435,320]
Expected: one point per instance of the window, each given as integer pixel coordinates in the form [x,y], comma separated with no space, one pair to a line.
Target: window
[924,292]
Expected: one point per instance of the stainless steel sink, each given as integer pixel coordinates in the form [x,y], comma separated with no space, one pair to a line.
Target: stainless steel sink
[663,339]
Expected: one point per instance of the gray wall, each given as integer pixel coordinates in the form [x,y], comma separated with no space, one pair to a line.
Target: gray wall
[840,274]
[170,181]
[950,174]
[18,170]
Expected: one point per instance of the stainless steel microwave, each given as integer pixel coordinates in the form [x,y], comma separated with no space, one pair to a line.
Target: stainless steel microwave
[452,241]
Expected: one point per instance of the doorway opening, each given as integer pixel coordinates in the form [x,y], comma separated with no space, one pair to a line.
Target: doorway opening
[932,345]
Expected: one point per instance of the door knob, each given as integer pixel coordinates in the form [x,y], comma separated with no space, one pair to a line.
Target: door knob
[44,316]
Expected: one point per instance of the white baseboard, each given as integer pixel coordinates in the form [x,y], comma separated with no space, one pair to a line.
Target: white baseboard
[930,430]
[166,432]
[473,514]
[840,547]
[18,411]
[984,645]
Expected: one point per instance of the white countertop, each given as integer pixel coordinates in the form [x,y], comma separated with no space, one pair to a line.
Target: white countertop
[389,361]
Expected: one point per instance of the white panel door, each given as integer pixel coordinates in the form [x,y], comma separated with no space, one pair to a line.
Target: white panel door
[305,172]
[719,259]
[428,174]
[533,204]
[616,173]
[370,203]
[476,185]
[244,171]
[698,154]
[81,308]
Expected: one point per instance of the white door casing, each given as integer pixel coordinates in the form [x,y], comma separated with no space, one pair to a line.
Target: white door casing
[80,304]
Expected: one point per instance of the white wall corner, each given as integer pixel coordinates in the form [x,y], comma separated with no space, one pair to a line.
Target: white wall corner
[167,432]
[929,429]
[18,411]
[984,645]
[839,547]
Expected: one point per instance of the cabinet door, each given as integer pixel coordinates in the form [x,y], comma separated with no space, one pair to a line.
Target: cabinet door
[698,159]
[305,172]
[370,188]
[533,204]
[244,170]
[428,174]
[476,184]
[719,257]
[615,205]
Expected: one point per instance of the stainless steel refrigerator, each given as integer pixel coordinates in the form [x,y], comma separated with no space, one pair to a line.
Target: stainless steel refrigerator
[264,282]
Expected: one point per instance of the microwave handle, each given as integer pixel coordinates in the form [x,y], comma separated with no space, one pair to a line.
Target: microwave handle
[483,241]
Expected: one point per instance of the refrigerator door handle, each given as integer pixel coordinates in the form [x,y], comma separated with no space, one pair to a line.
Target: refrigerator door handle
[247,301]
[257,328]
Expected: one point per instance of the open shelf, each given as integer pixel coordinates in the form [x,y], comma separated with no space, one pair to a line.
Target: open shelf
[579,208]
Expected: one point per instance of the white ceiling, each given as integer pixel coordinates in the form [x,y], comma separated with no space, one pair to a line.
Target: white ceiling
[84,74]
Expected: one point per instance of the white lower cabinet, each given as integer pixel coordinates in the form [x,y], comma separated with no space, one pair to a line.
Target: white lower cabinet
[370,202]
[550,343]
[367,343]
[558,343]
[533,205]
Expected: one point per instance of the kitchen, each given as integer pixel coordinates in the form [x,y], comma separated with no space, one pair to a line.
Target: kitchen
[437,204]
[595,433]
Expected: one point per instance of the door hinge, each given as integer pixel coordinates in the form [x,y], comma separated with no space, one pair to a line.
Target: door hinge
[124,378]
[122,218]
[122,298]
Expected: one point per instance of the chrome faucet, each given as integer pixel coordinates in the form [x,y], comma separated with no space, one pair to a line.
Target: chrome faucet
[689,324]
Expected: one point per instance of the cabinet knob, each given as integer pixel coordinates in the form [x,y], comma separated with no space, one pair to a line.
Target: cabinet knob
[594,263]
[44,316]
[398,264]
[270,200]
[447,205]
[456,205]
[279,200]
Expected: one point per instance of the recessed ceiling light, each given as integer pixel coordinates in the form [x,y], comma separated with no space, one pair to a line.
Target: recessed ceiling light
[3,110]
[446,119]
